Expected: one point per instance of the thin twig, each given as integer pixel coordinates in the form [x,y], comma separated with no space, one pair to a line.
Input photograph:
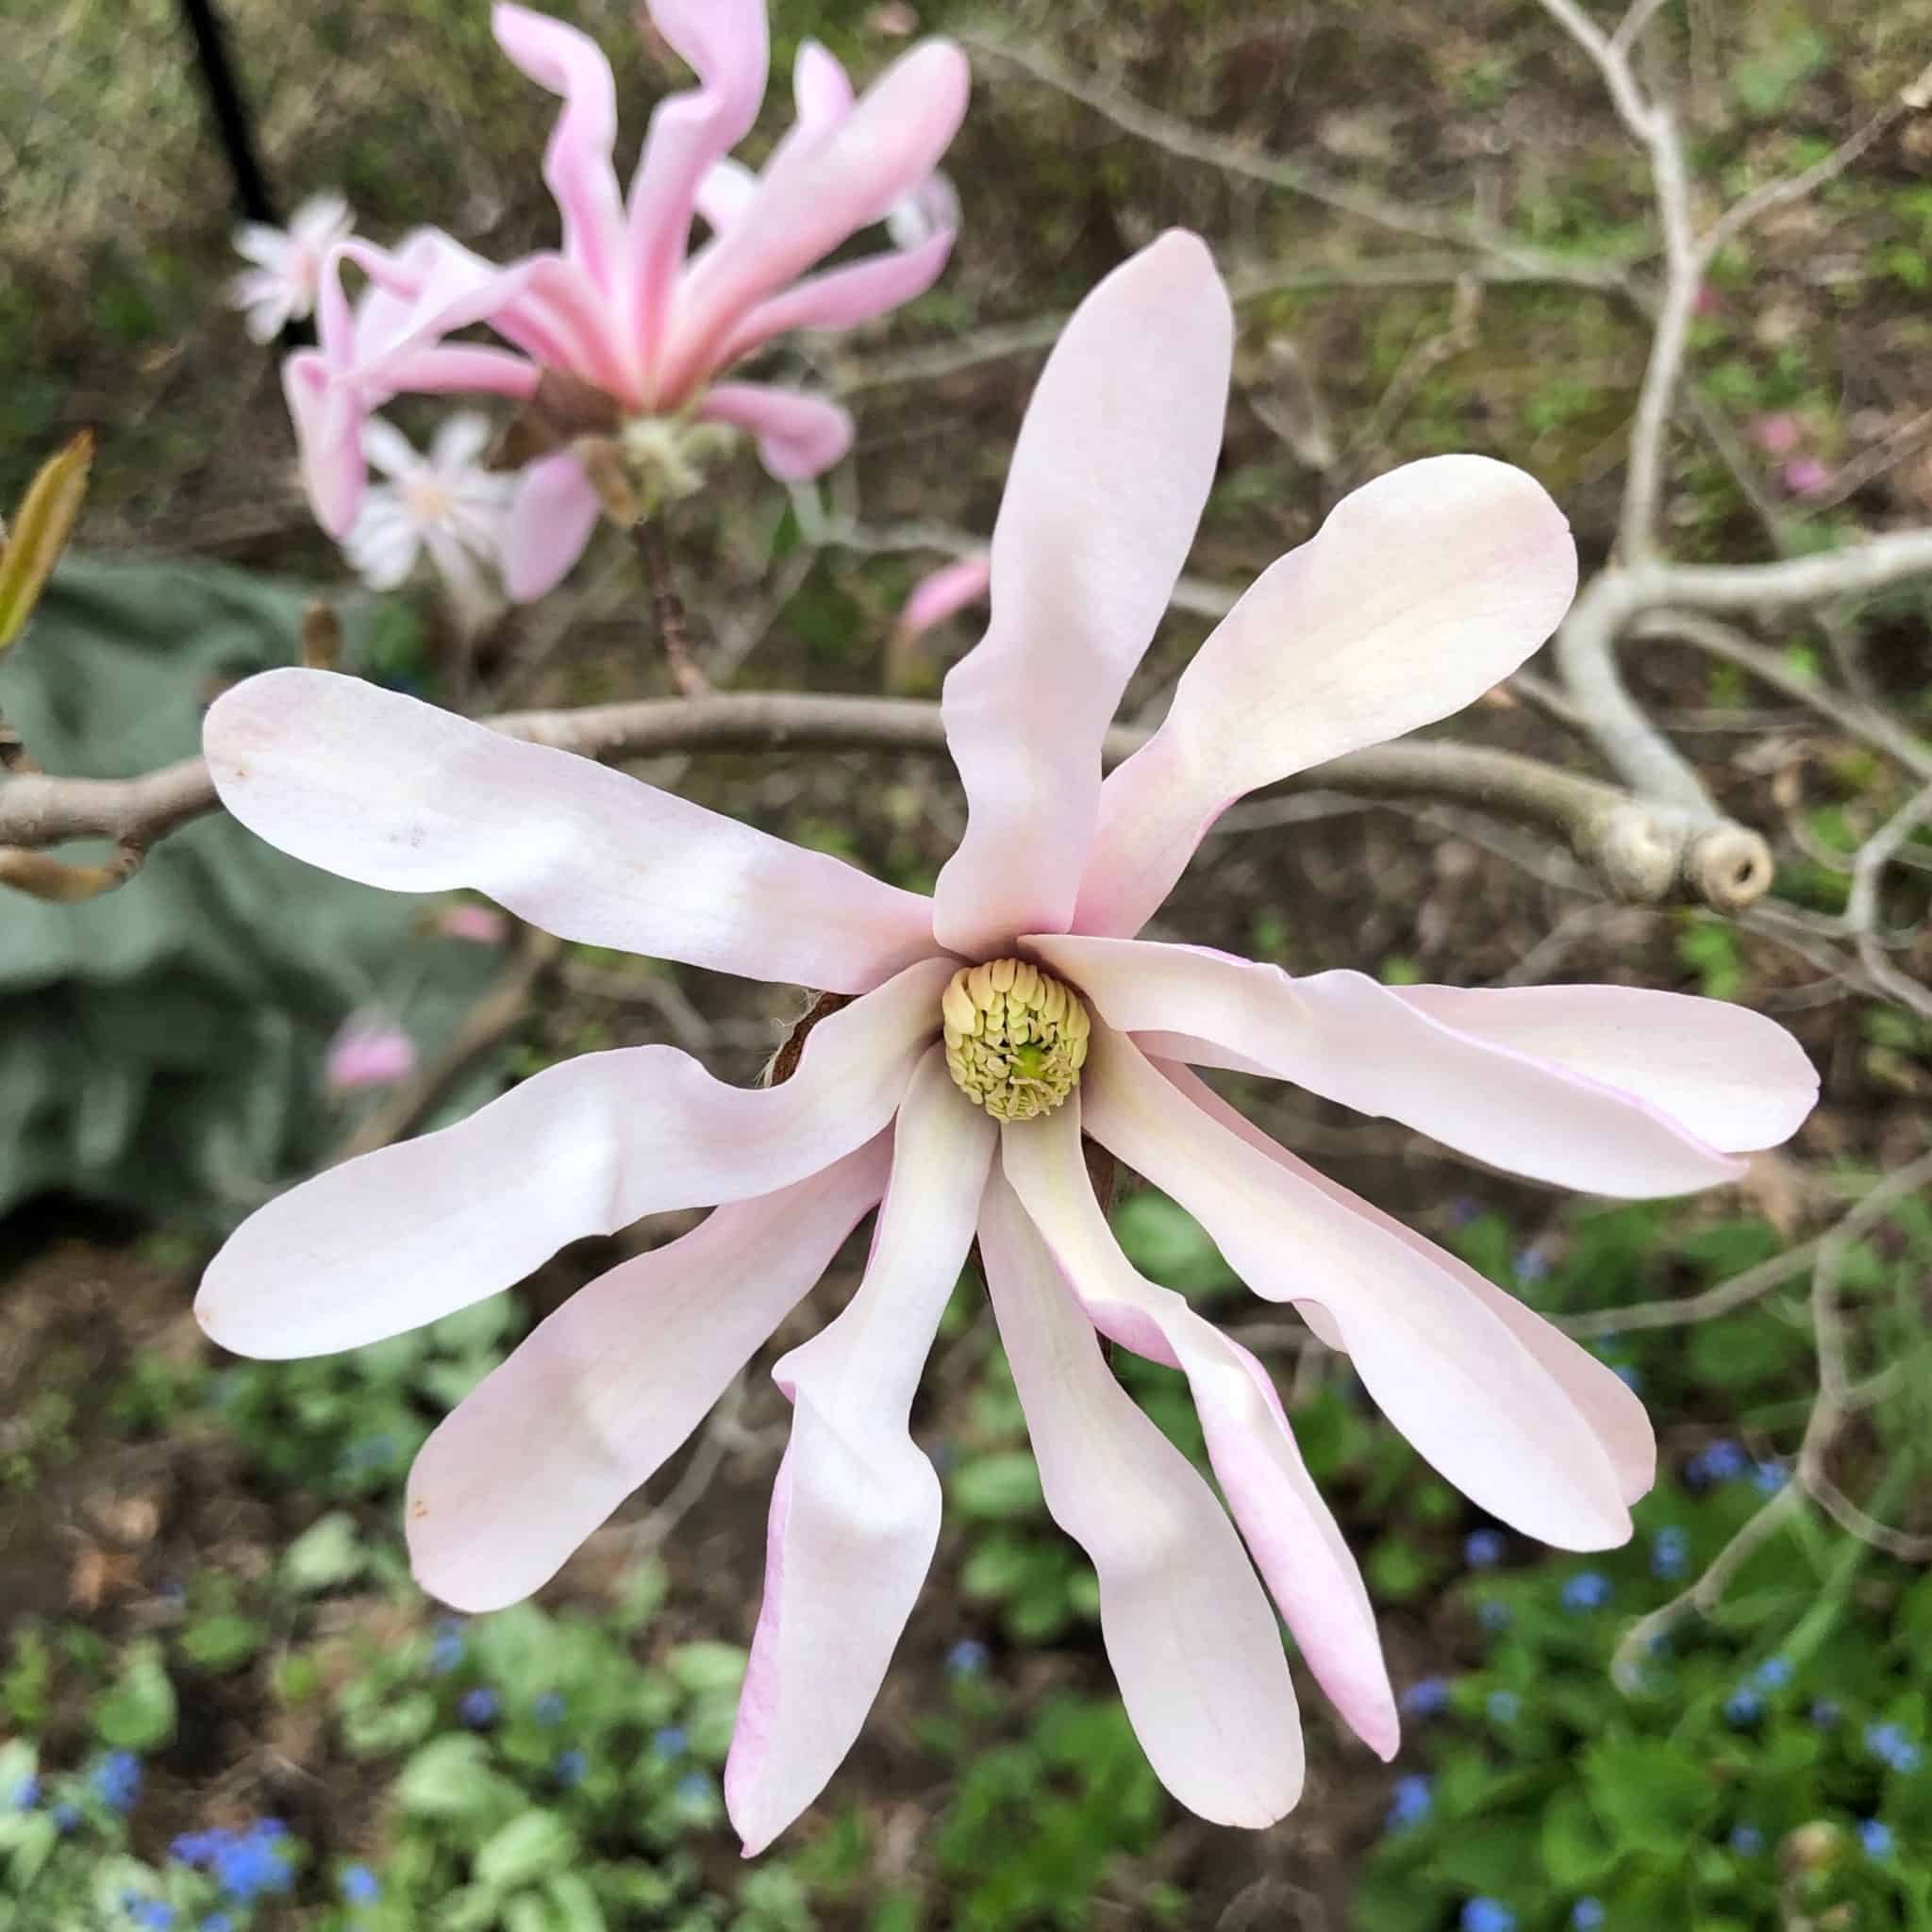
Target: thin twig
[1861,908]
[667,608]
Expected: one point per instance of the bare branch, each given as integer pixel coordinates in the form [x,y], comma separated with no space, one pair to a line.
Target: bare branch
[1862,910]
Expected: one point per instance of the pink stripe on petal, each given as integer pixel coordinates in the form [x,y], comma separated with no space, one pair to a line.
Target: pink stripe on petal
[1424,588]
[1108,482]
[1600,1396]
[1343,1036]
[550,521]
[1288,1528]
[798,436]
[856,1514]
[1187,1625]
[410,1233]
[382,789]
[589,1405]
[1446,1370]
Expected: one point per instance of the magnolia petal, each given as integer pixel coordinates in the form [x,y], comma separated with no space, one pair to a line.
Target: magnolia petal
[550,521]
[833,185]
[382,789]
[821,88]
[406,1235]
[726,43]
[576,163]
[798,436]
[1107,481]
[1421,589]
[328,435]
[1731,1076]
[1602,1397]
[1351,1040]
[843,297]
[725,191]
[590,1405]
[855,1511]
[1293,1537]
[1447,1370]
[1187,1625]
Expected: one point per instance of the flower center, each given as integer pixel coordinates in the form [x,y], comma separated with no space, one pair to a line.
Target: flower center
[1016,1038]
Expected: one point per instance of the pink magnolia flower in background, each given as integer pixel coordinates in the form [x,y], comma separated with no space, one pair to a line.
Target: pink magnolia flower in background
[990,1026]
[1778,434]
[445,504]
[369,1052]
[620,309]
[481,925]
[281,286]
[946,592]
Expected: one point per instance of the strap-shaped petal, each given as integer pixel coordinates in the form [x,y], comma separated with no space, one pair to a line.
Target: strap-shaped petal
[1108,483]
[1188,1628]
[1422,590]
[1351,1040]
[843,297]
[1293,1537]
[1444,1369]
[1731,1076]
[590,1405]
[391,791]
[810,199]
[855,1511]
[555,510]
[798,436]
[407,1233]
[1602,1397]
[576,163]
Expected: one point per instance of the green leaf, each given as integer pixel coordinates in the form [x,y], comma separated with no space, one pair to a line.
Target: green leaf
[223,1641]
[1649,1795]
[576,1904]
[699,1668]
[329,1552]
[451,1777]
[530,1847]
[137,1713]
[1002,1485]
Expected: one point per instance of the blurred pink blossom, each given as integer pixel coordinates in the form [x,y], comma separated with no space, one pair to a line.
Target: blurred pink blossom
[369,1052]
[1804,476]
[951,588]
[989,1027]
[483,925]
[1777,435]
[281,286]
[622,307]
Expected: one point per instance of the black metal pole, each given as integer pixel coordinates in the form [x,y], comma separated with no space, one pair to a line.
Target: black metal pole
[230,112]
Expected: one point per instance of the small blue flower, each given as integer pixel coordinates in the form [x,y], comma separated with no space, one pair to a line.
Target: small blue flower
[1773,1674]
[1462,1210]
[670,1743]
[1827,1713]
[218,1921]
[1669,1552]
[549,1709]
[1722,1461]
[571,1767]
[1744,1706]
[359,1885]
[1504,1707]
[1532,1265]
[248,1863]
[1768,1477]
[478,1706]
[1426,1696]
[446,1648]
[1888,1744]
[26,1793]
[1493,1614]
[1630,1375]
[695,1787]
[147,1912]
[199,1847]
[65,1818]
[1590,1589]
[1486,1915]
[1746,1840]
[1586,1914]
[969,1657]
[1876,1836]
[1414,1797]
[1483,1549]
[117,1780]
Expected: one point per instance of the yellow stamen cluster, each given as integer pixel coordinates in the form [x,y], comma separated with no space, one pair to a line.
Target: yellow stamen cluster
[1016,1038]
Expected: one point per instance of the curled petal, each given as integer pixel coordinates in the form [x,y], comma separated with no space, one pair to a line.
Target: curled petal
[550,521]
[589,1407]
[1443,1367]
[843,297]
[830,188]
[329,434]
[389,791]
[1187,1625]
[1346,1036]
[1294,1538]
[1422,590]
[1108,482]
[951,588]
[1731,1076]
[1602,1397]
[855,1511]
[821,88]
[798,436]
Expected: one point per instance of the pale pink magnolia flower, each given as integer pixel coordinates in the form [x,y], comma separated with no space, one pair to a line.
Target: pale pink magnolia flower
[1804,476]
[281,286]
[950,1094]
[444,504]
[481,925]
[620,308]
[369,1052]
[945,592]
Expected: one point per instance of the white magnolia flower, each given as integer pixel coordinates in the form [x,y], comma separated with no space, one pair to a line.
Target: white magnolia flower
[281,286]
